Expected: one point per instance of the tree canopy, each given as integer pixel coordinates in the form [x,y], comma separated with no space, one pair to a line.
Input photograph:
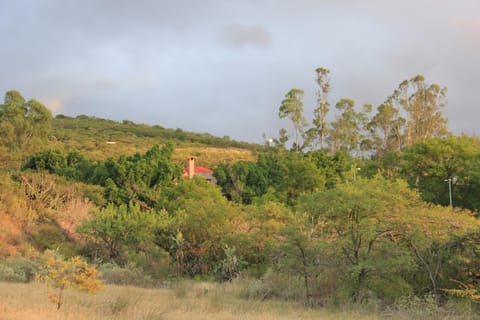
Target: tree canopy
[24,125]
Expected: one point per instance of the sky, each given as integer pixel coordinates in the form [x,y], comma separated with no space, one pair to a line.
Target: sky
[224,66]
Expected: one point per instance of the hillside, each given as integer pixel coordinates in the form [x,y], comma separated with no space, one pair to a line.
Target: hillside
[26,218]
[100,139]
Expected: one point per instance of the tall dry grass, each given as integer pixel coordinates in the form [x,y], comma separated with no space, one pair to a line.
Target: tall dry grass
[186,300]
[210,156]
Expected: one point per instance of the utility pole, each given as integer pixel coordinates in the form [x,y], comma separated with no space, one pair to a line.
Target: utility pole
[355,174]
[449,180]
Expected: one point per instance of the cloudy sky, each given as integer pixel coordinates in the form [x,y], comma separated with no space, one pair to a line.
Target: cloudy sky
[223,66]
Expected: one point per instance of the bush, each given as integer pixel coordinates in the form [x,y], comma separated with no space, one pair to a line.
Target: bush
[8,274]
[51,237]
[276,285]
[129,275]
[230,267]
[60,274]
[153,261]
[18,270]
[121,303]
[427,308]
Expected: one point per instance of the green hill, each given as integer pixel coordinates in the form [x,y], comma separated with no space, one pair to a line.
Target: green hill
[28,218]
[100,139]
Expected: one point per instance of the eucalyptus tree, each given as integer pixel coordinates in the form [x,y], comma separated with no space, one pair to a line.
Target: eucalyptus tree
[347,129]
[423,104]
[323,106]
[292,107]
[386,129]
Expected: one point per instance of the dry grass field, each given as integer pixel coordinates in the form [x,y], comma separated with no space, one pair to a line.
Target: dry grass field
[185,301]
[210,156]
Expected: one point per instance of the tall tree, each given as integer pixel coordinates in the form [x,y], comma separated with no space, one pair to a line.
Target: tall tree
[423,103]
[323,106]
[292,107]
[358,221]
[347,128]
[386,129]
[23,124]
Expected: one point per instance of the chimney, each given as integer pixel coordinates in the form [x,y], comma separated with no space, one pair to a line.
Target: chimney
[191,167]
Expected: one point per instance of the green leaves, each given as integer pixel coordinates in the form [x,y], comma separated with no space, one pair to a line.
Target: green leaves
[426,166]
[24,126]
[198,211]
[423,104]
[362,223]
[288,175]
[347,132]
[137,179]
[243,181]
[292,107]
[118,230]
[323,106]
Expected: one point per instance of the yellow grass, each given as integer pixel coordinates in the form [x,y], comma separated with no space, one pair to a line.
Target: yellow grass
[211,156]
[192,301]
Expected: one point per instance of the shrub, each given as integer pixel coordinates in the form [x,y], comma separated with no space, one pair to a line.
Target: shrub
[51,237]
[120,303]
[128,275]
[231,266]
[277,285]
[60,274]
[423,308]
[8,274]
[18,270]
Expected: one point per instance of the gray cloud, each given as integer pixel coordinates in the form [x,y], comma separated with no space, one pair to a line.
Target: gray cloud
[238,35]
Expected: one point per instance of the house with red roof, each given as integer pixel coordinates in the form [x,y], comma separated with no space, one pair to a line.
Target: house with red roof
[192,170]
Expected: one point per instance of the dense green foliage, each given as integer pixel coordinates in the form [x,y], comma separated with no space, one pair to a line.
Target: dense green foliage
[120,234]
[429,165]
[195,223]
[23,124]
[135,179]
[283,175]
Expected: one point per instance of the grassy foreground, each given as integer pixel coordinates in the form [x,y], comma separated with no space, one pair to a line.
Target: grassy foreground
[185,301]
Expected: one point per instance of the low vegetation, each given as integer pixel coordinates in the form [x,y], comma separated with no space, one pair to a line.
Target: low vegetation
[197,300]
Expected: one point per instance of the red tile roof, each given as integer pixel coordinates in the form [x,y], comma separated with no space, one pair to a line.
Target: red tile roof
[199,170]
[203,170]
